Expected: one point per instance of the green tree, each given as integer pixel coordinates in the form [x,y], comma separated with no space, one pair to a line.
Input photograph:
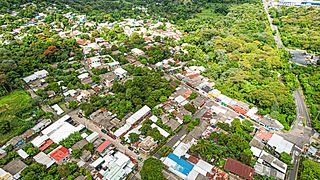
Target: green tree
[286,158]
[152,169]
[134,137]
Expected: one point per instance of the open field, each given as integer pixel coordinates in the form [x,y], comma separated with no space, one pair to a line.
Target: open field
[13,108]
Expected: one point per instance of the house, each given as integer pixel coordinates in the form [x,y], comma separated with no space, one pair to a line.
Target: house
[41,125]
[108,78]
[120,72]
[39,140]
[266,158]
[239,169]
[139,115]
[60,154]
[92,137]
[44,159]
[22,154]
[103,148]
[115,165]
[36,75]
[279,144]
[86,155]
[178,166]
[113,64]
[137,52]
[46,144]
[16,141]
[58,109]
[61,129]
[264,170]
[80,144]
[15,167]
[4,175]
[105,119]
[147,145]
[94,62]
[162,131]
[199,102]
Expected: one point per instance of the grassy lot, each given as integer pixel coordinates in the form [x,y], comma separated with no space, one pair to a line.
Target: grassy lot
[15,108]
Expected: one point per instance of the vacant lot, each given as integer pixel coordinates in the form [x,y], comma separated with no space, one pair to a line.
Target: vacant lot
[14,108]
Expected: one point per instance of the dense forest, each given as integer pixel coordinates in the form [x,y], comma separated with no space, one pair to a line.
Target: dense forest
[299,27]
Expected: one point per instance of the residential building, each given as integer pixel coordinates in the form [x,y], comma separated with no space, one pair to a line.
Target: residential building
[103,148]
[279,144]
[60,154]
[61,129]
[147,144]
[239,169]
[44,159]
[15,167]
[120,72]
[264,170]
[4,175]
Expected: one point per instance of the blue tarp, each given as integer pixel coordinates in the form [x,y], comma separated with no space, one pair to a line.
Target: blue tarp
[183,166]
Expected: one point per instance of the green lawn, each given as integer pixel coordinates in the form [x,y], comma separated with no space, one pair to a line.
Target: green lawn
[14,108]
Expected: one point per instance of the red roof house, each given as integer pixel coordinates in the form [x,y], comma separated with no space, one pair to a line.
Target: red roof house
[105,145]
[46,145]
[239,169]
[60,154]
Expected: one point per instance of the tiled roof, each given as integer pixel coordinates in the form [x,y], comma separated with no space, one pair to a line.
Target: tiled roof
[239,169]
[59,153]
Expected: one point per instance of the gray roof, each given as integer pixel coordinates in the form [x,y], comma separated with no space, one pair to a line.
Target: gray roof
[15,167]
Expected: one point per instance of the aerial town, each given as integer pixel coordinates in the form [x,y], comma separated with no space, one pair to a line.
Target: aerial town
[134,96]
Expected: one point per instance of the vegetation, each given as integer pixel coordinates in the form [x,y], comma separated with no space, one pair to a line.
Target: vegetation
[38,171]
[164,151]
[134,137]
[152,169]
[71,140]
[309,169]
[15,108]
[310,78]
[193,124]
[145,88]
[299,27]
[147,130]
[237,139]
[286,158]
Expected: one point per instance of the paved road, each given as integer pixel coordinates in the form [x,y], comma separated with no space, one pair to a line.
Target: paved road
[273,27]
[302,110]
[296,159]
[299,134]
[116,142]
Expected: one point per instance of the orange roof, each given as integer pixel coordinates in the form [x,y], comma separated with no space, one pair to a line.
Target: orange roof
[263,134]
[81,42]
[59,153]
[193,75]
[46,145]
[193,159]
[239,110]
[104,145]
[187,94]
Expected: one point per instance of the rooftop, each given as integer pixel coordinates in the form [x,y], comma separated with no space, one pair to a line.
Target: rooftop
[59,153]
[239,169]
[15,167]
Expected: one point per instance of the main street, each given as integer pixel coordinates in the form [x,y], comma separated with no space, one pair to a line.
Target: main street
[116,142]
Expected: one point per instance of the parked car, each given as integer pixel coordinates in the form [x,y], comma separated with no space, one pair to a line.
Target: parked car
[104,131]
[130,148]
